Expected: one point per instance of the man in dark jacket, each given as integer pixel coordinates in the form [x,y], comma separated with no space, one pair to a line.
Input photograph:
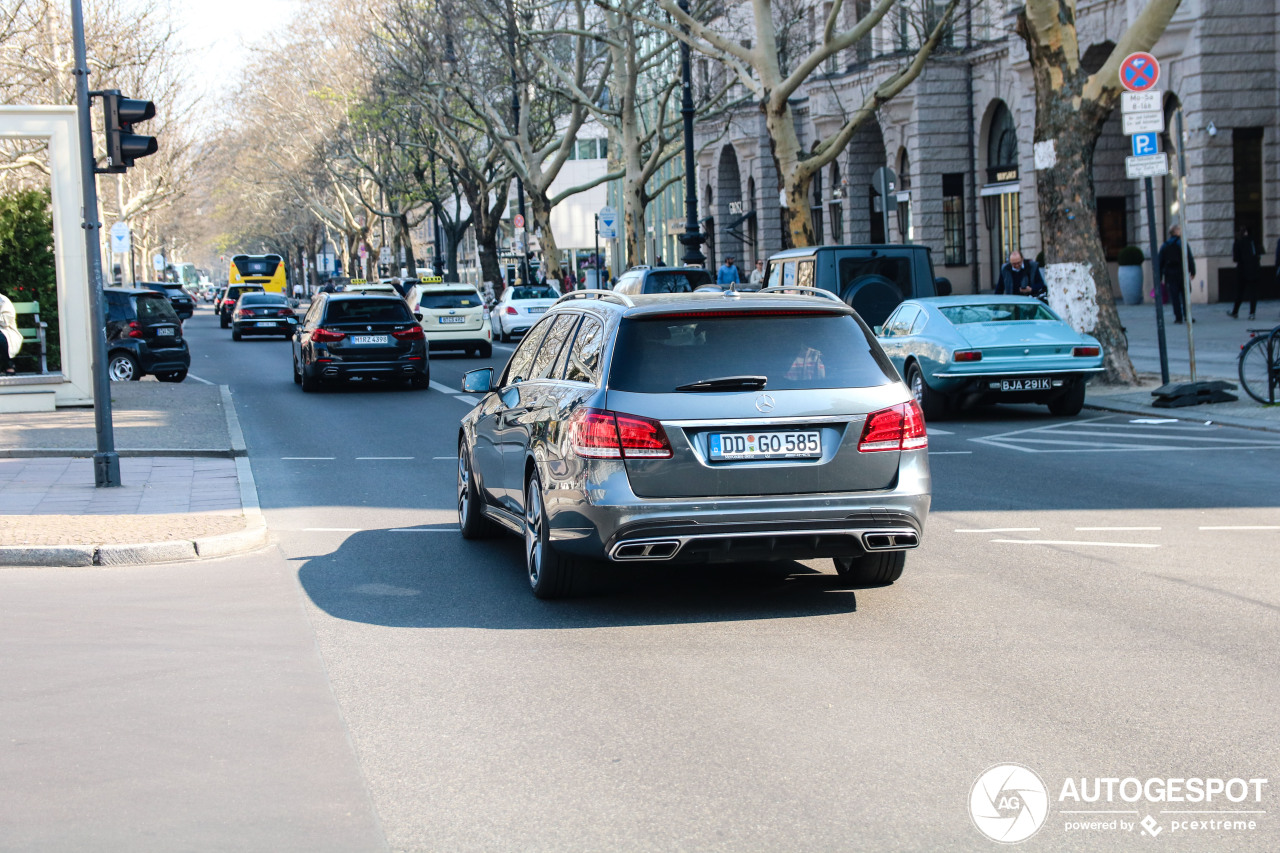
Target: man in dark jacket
[1171,269]
[1245,253]
[1020,277]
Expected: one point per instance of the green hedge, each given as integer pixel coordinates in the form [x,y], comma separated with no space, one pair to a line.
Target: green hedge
[27,269]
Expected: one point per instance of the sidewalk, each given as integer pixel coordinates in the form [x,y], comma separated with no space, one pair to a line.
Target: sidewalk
[187,488]
[1218,340]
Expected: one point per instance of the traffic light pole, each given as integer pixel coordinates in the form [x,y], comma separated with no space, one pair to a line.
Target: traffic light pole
[106,462]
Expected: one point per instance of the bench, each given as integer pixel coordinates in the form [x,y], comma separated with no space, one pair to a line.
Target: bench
[34,345]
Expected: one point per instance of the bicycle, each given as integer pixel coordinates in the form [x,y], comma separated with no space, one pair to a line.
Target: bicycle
[1259,365]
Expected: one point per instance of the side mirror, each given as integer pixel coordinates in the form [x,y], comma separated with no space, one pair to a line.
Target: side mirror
[417,315]
[879,330]
[943,286]
[478,381]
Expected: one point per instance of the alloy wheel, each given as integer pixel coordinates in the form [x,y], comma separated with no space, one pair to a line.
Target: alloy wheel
[533,531]
[917,387]
[464,488]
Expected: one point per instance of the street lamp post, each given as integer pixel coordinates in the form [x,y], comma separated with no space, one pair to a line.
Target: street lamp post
[437,262]
[692,237]
[515,118]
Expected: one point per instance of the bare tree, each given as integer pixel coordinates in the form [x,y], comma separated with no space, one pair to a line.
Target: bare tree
[1071,107]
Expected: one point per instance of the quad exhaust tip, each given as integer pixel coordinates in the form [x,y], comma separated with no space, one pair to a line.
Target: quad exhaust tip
[893,540]
[663,549]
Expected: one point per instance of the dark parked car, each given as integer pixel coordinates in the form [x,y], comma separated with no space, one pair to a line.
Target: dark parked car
[873,279]
[227,301]
[695,428]
[662,280]
[144,335]
[358,335]
[262,314]
[184,304]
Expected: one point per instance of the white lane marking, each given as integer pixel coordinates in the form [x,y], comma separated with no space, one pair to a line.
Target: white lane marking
[950,452]
[1000,530]
[444,457]
[504,347]
[383,458]
[1073,542]
[1154,421]
[333,530]
[423,530]
[936,431]
[442,388]
[1242,527]
[467,398]
[199,379]
[1099,529]
[307,458]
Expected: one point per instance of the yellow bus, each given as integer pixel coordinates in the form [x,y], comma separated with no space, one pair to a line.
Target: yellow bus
[266,270]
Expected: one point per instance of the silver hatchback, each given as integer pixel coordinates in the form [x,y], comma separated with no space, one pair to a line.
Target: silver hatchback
[702,427]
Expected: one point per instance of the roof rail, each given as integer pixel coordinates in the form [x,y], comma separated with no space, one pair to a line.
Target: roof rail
[620,298]
[789,288]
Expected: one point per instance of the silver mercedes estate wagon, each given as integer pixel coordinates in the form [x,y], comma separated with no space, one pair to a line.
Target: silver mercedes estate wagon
[698,427]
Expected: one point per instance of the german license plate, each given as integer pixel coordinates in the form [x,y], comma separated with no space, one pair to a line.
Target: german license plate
[536,310]
[1034,384]
[766,445]
[166,331]
[369,339]
[261,323]
[453,319]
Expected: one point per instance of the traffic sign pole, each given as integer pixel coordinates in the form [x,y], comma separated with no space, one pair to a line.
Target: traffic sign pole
[1155,277]
[1182,243]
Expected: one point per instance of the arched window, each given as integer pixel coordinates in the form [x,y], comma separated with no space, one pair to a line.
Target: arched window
[815,209]
[1002,147]
[837,207]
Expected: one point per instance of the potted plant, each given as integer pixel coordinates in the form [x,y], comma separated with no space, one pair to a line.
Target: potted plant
[1131,260]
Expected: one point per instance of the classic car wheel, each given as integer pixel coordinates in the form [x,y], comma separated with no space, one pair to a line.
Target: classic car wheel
[932,403]
[873,569]
[1070,403]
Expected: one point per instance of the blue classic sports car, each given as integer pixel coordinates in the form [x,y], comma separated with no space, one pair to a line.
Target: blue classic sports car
[957,351]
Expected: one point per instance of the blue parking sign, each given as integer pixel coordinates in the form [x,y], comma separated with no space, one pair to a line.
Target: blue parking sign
[1144,144]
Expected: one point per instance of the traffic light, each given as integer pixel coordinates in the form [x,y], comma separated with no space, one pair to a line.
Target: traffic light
[119,116]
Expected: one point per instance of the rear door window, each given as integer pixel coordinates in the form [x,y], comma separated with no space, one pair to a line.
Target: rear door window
[522,359]
[794,352]
[551,345]
[584,357]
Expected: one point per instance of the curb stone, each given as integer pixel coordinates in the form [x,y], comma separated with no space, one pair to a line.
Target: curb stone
[1190,413]
[47,556]
[144,552]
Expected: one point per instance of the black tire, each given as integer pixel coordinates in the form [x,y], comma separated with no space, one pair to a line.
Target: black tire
[933,403]
[471,520]
[174,376]
[122,367]
[485,351]
[551,574]
[1071,402]
[223,321]
[877,568]
[504,337]
[235,335]
[308,382]
[297,376]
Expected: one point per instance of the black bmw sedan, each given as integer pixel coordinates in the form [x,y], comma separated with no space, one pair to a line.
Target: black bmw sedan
[359,336]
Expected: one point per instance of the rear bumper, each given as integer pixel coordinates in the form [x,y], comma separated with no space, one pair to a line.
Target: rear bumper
[986,386]
[444,339]
[371,369]
[606,520]
[251,327]
[163,360]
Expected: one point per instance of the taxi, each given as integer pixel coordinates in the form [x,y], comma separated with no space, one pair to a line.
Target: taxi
[453,316]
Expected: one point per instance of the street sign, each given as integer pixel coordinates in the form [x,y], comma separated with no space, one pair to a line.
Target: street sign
[121,239]
[518,222]
[1145,143]
[1139,72]
[608,227]
[1149,101]
[1148,166]
[157,262]
[384,255]
[364,251]
[884,181]
[1144,122]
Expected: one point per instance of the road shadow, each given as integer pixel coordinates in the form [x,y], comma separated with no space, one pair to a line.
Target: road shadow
[397,580]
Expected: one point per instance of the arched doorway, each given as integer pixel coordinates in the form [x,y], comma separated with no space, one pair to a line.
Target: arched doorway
[864,211]
[729,205]
[1001,194]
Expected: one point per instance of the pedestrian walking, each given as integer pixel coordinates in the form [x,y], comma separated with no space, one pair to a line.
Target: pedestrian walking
[10,337]
[1170,260]
[756,280]
[1021,277]
[1245,253]
[728,273]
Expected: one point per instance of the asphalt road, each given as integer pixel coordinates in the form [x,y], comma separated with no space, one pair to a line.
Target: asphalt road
[1095,597]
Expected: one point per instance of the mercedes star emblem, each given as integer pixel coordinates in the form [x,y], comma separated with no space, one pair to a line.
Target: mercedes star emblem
[765,403]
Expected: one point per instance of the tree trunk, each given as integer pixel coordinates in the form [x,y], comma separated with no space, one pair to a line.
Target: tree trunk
[406,243]
[785,144]
[541,206]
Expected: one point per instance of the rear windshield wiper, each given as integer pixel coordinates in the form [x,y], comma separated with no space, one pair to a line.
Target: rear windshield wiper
[727,383]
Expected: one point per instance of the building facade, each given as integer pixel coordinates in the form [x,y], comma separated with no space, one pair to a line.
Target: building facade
[960,140]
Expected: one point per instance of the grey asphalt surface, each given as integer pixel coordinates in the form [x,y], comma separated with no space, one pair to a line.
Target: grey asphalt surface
[376,682]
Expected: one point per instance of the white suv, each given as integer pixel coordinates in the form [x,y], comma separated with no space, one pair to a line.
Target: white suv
[453,317]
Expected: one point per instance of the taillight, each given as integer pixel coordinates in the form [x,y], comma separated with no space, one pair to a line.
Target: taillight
[968,355]
[1086,352]
[245,312]
[899,427]
[413,333]
[601,434]
[325,336]
[512,311]
[135,331]
[285,312]
[228,302]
